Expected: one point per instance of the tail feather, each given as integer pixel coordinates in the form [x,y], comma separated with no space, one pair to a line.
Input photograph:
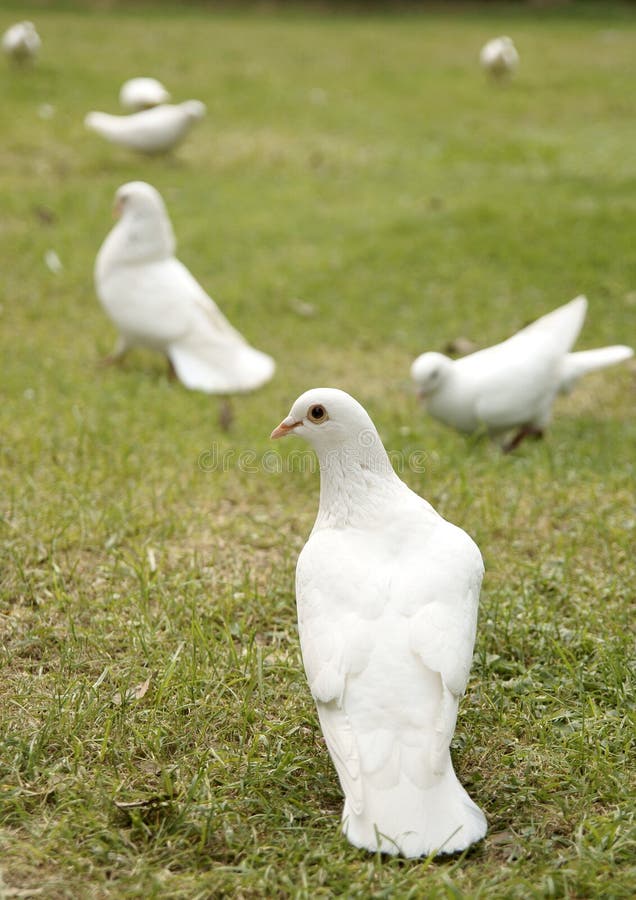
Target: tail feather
[102,123]
[575,365]
[411,821]
[94,121]
[221,369]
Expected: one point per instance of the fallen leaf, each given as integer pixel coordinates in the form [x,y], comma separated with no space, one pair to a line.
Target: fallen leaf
[133,693]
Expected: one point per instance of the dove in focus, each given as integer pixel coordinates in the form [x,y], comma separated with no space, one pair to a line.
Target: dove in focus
[150,131]
[21,42]
[387,594]
[512,385]
[142,93]
[155,302]
[499,57]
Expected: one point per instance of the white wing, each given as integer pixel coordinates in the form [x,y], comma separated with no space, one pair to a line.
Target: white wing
[447,585]
[323,644]
[213,356]
[443,631]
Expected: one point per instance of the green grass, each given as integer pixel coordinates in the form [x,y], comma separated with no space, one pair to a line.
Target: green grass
[364,166]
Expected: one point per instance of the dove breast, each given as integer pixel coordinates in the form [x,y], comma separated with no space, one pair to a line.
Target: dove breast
[141,301]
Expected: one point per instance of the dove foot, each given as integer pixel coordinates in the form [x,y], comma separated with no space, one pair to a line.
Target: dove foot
[111,360]
[526,431]
[119,351]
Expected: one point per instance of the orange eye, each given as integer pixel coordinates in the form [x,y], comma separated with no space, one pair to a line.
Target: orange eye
[317,414]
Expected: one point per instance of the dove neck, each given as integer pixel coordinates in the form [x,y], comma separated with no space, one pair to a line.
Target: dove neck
[356,483]
[138,239]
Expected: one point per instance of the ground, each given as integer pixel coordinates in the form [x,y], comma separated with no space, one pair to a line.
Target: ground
[358,193]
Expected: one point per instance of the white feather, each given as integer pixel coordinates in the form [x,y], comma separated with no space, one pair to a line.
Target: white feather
[575,365]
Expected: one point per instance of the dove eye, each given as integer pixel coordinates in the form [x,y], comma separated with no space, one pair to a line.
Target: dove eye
[317,414]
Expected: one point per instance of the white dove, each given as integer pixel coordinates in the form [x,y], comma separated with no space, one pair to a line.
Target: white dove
[155,130]
[155,302]
[21,42]
[387,593]
[512,385]
[142,93]
[499,57]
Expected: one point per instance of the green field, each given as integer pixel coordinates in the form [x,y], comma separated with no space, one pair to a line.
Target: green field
[358,193]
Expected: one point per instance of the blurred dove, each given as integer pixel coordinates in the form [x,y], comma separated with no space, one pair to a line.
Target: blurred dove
[387,594]
[155,302]
[155,130]
[499,57]
[21,42]
[142,93]
[512,385]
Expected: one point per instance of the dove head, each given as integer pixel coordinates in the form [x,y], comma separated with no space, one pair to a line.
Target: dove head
[337,427]
[194,109]
[27,27]
[139,199]
[429,371]
[355,470]
[145,222]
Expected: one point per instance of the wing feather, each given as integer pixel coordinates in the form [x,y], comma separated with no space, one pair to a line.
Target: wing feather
[210,354]
[443,631]
[343,749]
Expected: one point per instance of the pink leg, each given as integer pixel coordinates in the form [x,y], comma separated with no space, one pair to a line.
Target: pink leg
[226,414]
[526,431]
[119,351]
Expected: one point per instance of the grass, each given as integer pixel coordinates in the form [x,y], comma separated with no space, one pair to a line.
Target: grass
[158,738]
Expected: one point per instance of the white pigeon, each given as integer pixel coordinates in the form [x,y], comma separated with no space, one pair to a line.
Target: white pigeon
[387,594]
[21,42]
[512,385]
[142,93]
[155,130]
[499,57]
[155,302]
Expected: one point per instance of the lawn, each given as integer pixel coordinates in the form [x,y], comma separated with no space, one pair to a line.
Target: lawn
[358,193]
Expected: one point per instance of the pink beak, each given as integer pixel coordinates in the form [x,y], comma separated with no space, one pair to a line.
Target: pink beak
[284,428]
